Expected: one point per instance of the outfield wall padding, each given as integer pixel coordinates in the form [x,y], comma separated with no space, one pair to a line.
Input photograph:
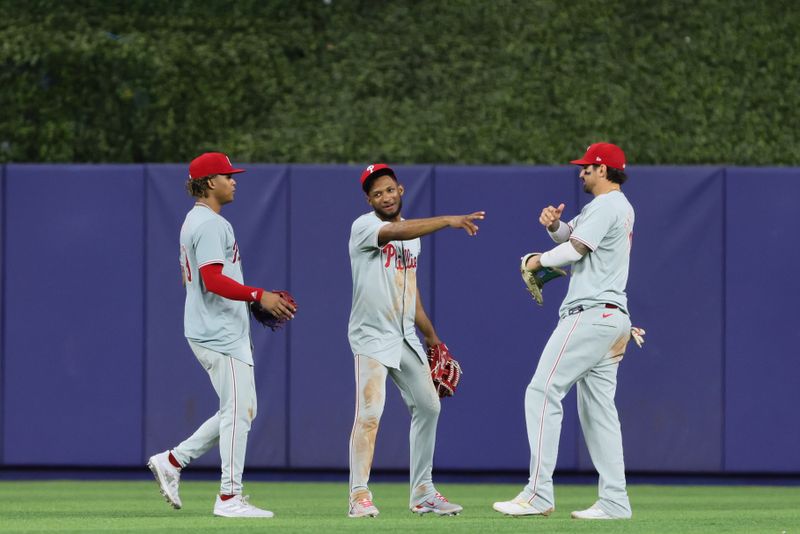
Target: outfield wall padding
[96,371]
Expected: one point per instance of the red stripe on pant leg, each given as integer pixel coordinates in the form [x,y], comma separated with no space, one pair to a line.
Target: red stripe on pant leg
[544,406]
[235,407]
[355,420]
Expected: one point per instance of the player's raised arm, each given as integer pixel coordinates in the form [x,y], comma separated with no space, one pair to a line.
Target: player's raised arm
[413,228]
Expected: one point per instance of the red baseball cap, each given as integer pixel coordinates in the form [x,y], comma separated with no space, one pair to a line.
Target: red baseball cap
[603,153]
[374,169]
[209,164]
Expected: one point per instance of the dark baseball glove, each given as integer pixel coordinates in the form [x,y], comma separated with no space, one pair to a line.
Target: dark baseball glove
[535,280]
[267,319]
[445,371]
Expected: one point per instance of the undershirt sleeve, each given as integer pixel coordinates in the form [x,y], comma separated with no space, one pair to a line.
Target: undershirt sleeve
[227,287]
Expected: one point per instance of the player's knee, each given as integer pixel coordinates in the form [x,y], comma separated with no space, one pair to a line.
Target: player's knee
[429,410]
[536,388]
[368,423]
[371,410]
[536,393]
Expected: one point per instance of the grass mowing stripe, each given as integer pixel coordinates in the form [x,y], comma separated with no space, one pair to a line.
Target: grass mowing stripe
[136,506]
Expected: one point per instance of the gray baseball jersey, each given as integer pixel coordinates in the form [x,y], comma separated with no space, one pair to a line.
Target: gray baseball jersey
[209,320]
[605,225]
[384,293]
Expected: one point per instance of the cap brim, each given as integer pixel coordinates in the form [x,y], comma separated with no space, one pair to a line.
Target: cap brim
[235,171]
[581,162]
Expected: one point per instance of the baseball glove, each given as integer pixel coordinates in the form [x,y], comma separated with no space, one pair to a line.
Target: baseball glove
[267,319]
[535,280]
[445,371]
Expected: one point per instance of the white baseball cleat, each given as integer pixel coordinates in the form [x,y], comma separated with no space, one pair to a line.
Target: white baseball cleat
[237,506]
[167,476]
[519,507]
[593,512]
[363,508]
[438,505]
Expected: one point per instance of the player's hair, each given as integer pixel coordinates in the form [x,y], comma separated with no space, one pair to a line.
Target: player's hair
[367,185]
[198,188]
[616,175]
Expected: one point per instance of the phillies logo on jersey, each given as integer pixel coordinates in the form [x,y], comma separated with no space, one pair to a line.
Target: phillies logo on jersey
[401,261]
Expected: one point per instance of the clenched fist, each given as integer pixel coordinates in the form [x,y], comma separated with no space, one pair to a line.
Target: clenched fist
[551,216]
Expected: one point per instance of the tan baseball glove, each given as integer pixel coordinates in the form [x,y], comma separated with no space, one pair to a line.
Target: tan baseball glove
[535,280]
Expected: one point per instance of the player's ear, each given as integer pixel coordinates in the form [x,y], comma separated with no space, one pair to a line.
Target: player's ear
[400,189]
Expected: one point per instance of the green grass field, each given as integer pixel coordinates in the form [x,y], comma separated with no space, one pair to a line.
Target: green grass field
[137,506]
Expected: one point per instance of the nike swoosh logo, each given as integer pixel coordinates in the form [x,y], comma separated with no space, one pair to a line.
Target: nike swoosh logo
[607,315]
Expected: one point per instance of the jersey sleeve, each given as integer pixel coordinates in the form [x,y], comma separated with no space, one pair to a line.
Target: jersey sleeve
[571,223]
[364,233]
[592,225]
[209,243]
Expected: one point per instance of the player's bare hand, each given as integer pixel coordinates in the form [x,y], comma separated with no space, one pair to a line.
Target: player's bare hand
[550,216]
[277,306]
[467,222]
[534,263]
[638,335]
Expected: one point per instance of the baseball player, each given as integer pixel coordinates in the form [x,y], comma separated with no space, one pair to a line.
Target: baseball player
[384,250]
[588,343]
[217,327]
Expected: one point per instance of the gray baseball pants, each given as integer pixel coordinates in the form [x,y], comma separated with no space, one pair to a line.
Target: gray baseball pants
[413,379]
[585,349]
[235,385]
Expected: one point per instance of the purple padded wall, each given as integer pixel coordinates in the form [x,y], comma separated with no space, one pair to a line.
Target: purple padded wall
[762,340]
[73,377]
[669,394]
[3,225]
[113,380]
[488,319]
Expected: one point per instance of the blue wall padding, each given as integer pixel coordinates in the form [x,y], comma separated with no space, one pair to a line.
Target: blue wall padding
[485,315]
[762,339]
[96,371]
[676,293]
[73,346]
[3,227]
